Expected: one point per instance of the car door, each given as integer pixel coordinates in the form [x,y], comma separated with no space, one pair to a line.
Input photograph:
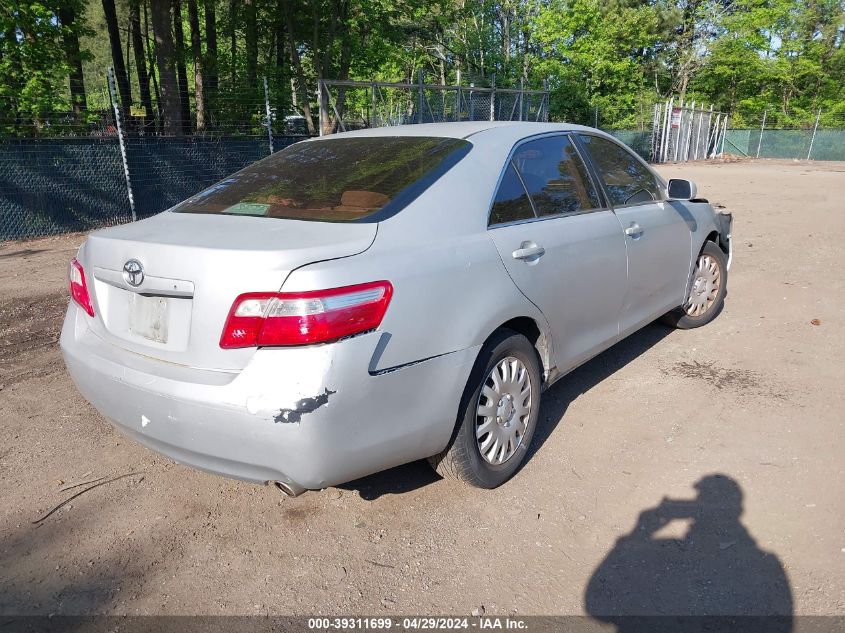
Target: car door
[561,245]
[657,236]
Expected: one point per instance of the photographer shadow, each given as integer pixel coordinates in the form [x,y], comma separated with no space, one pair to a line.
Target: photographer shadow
[653,581]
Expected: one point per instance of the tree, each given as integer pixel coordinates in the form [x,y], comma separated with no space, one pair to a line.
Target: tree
[181,72]
[151,62]
[33,78]
[166,62]
[140,60]
[233,39]
[296,63]
[594,58]
[613,58]
[117,56]
[251,37]
[210,63]
[196,52]
[67,11]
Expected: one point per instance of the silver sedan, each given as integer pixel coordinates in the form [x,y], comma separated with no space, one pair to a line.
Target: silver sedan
[360,301]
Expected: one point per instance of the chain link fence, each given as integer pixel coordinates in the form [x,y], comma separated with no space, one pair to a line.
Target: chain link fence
[63,171]
[59,172]
[790,133]
[679,132]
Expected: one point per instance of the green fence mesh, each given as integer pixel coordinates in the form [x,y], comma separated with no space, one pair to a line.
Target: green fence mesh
[828,144]
[57,185]
[51,186]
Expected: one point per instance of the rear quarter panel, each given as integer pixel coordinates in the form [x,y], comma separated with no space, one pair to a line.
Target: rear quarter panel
[451,290]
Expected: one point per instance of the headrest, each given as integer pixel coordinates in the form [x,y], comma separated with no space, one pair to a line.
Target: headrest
[363,199]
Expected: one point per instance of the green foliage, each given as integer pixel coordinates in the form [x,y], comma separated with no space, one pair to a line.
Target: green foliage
[33,70]
[595,54]
[781,56]
[609,60]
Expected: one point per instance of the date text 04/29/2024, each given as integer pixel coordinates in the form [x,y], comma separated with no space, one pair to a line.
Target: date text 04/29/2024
[416,623]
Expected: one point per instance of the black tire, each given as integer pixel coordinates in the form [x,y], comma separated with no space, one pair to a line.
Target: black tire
[679,318]
[462,458]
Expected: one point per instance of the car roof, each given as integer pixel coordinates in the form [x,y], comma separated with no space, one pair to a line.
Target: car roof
[493,138]
[465,129]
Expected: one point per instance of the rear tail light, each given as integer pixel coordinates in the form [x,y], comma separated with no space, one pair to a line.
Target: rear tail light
[78,287]
[301,318]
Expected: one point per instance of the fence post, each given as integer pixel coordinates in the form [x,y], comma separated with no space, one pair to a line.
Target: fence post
[667,129]
[374,114]
[420,96]
[493,98]
[698,132]
[113,97]
[762,128]
[459,96]
[521,95]
[680,127]
[471,103]
[717,128]
[267,112]
[320,89]
[655,132]
[688,147]
[547,101]
[813,138]
[724,135]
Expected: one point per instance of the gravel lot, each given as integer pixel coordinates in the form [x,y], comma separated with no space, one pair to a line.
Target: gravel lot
[756,397]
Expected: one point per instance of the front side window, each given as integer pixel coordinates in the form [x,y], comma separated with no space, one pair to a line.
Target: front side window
[625,178]
[511,203]
[555,176]
[334,180]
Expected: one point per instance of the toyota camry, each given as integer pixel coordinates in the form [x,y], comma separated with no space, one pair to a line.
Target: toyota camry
[363,300]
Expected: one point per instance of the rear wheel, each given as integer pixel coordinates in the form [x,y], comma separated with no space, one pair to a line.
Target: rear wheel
[498,414]
[706,294]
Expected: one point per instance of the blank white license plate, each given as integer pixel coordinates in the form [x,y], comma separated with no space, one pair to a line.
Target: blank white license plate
[148,317]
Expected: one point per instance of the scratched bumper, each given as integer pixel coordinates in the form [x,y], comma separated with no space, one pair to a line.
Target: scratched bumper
[310,417]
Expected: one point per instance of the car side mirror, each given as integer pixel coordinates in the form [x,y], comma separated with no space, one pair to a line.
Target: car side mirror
[681,189]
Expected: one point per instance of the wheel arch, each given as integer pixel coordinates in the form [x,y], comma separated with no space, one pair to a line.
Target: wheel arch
[536,335]
[717,238]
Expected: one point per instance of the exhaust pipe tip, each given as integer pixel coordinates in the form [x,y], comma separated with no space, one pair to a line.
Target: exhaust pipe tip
[291,490]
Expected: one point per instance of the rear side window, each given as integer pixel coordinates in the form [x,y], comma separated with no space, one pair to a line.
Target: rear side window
[555,176]
[625,178]
[334,180]
[511,203]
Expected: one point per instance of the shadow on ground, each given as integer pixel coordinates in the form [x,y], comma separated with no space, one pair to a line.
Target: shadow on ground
[655,581]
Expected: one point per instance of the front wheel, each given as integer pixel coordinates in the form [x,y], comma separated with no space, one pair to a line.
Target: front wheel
[498,414]
[706,294]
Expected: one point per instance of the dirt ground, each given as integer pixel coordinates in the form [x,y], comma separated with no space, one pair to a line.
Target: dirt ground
[757,397]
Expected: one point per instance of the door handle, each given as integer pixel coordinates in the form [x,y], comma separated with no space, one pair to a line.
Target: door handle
[529,251]
[634,231]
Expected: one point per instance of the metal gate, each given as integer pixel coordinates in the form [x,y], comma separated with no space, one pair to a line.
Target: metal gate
[348,105]
[682,133]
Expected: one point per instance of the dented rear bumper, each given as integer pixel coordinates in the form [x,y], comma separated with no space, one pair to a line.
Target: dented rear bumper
[309,416]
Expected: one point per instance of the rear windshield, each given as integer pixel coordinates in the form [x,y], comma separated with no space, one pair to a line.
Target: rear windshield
[334,180]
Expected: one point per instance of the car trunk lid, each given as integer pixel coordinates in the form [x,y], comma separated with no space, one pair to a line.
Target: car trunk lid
[163,287]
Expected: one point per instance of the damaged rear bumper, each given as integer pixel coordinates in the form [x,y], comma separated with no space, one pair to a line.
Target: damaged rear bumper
[309,417]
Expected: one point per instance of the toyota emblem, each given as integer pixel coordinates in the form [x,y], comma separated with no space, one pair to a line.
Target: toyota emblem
[133,273]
